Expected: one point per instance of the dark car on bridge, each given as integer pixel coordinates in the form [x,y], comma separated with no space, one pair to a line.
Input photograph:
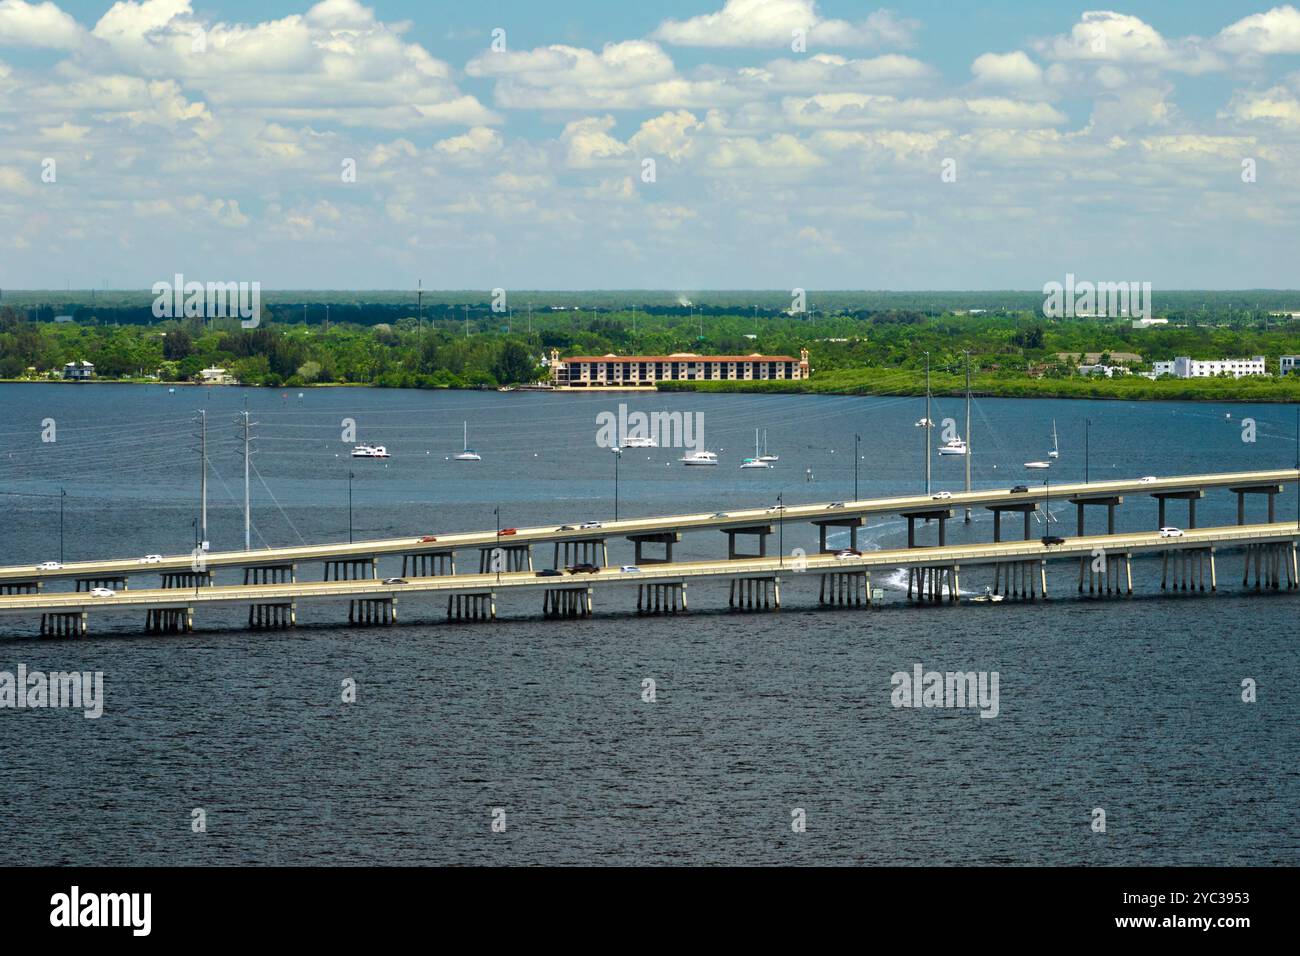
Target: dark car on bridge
[1051,539]
[584,568]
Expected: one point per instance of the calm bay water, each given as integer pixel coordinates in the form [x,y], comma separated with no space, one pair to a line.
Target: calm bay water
[1133,706]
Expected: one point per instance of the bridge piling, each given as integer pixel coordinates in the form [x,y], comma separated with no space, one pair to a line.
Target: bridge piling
[64,624]
[429,565]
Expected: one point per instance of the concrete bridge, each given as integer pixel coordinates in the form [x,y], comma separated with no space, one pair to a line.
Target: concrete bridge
[747,532]
[1019,567]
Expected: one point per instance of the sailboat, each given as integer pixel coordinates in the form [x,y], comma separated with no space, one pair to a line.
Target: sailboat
[468,454]
[765,456]
[1056,447]
[755,462]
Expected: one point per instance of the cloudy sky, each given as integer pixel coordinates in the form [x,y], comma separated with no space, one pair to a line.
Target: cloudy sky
[680,144]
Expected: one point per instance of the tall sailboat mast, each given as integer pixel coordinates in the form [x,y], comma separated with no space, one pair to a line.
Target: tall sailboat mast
[925,429]
[968,444]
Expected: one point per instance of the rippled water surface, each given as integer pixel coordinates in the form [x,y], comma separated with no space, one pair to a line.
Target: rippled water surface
[1133,706]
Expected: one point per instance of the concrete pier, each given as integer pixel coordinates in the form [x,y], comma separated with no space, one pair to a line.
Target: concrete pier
[351,569]
[667,598]
[1115,576]
[272,616]
[63,625]
[845,588]
[1272,563]
[187,579]
[169,620]
[116,582]
[269,574]
[428,565]
[1023,580]
[755,594]
[1188,569]
[514,557]
[477,606]
[372,611]
[566,602]
[581,551]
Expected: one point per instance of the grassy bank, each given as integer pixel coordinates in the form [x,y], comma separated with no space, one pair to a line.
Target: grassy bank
[874,381]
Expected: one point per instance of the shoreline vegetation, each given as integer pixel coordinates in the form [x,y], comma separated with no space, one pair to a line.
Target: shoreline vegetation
[860,344]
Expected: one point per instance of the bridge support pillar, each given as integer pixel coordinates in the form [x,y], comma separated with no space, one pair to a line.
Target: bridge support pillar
[930,583]
[169,620]
[845,588]
[270,574]
[21,587]
[1187,569]
[666,598]
[1113,576]
[351,569]
[372,611]
[757,593]
[566,602]
[272,616]
[587,551]
[71,624]
[478,606]
[187,579]
[429,565]
[1024,580]
[514,557]
[667,539]
[1272,562]
[117,582]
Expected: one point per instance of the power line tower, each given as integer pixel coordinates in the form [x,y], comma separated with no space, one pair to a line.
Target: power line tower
[246,426]
[203,478]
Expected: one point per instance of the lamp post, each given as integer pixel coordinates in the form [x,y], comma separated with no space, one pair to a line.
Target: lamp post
[496,552]
[618,454]
[857,439]
[780,530]
[62,494]
[1087,428]
[350,505]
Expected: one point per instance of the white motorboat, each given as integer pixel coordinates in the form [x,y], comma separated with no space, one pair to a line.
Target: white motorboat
[1038,464]
[370,451]
[988,597]
[1056,447]
[699,458]
[468,454]
[954,446]
[639,441]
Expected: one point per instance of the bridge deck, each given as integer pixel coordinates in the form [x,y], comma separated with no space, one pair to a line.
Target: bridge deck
[749,517]
[963,555]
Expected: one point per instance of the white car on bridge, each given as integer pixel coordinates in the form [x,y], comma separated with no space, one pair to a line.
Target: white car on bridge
[1171,533]
[49,566]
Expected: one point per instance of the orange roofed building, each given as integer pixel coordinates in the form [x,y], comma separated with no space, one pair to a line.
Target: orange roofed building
[645,371]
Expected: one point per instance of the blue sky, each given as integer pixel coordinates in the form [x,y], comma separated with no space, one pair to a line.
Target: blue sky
[916,145]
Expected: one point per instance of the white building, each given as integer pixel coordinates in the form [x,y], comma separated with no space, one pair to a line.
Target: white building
[1289,364]
[1147,323]
[1110,371]
[1185,367]
[217,376]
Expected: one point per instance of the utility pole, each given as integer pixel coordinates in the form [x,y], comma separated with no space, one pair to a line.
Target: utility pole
[530,318]
[1087,428]
[466,320]
[926,424]
[968,447]
[857,439]
[618,454]
[419,307]
[247,425]
[203,478]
